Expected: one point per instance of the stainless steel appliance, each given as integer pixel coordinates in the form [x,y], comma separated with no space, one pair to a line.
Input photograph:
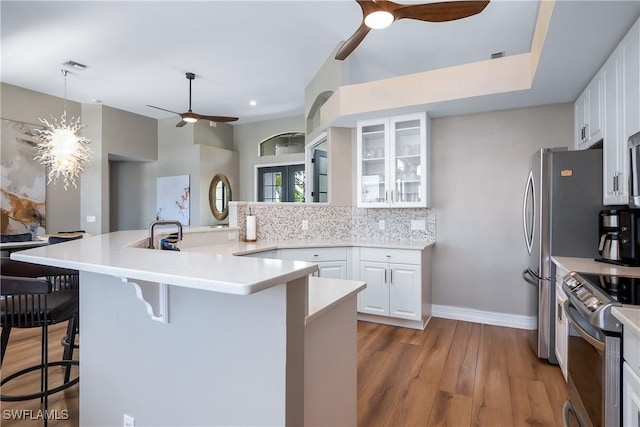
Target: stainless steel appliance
[562,200]
[634,168]
[620,236]
[594,346]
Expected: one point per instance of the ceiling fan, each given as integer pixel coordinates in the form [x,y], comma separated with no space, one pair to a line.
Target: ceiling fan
[378,14]
[190,116]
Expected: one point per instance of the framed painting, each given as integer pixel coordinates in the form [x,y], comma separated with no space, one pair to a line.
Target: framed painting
[23,180]
[173,198]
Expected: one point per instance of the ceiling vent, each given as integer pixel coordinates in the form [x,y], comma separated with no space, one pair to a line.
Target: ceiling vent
[75,65]
[497,55]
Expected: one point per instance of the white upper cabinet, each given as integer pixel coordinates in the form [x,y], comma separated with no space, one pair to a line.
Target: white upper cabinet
[621,96]
[393,161]
[589,115]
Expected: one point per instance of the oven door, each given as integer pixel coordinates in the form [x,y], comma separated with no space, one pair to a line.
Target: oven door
[593,362]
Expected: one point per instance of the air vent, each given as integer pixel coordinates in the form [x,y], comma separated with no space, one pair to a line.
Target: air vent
[75,65]
[497,55]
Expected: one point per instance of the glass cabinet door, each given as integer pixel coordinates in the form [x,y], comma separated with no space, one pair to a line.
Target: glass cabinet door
[373,146]
[408,165]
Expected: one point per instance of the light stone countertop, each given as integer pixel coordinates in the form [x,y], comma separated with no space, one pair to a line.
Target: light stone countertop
[630,318]
[325,294]
[212,271]
[588,265]
[247,248]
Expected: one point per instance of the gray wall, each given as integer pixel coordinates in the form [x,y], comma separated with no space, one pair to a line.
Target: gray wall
[480,164]
[22,105]
[246,141]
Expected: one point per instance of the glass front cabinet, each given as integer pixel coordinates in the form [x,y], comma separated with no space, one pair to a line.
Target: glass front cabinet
[393,161]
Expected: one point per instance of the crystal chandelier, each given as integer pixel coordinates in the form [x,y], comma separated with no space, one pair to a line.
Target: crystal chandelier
[61,148]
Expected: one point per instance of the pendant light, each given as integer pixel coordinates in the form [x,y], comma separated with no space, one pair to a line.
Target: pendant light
[61,148]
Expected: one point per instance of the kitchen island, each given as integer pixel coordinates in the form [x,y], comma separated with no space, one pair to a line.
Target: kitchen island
[181,338]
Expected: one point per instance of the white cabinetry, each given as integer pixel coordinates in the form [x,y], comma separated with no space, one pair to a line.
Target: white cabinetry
[332,261]
[562,329]
[621,102]
[588,114]
[398,287]
[393,161]
[630,378]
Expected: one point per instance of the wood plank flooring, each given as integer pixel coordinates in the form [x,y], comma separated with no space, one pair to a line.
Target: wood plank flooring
[452,374]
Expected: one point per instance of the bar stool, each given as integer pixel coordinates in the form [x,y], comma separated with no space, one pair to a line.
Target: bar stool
[30,300]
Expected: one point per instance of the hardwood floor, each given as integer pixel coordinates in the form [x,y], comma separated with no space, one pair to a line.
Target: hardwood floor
[454,374]
[451,374]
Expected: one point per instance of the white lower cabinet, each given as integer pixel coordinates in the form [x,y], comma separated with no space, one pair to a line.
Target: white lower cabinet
[562,330]
[398,286]
[332,269]
[630,396]
[392,290]
[332,261]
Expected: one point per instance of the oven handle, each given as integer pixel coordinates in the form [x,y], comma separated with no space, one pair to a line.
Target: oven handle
[594,342]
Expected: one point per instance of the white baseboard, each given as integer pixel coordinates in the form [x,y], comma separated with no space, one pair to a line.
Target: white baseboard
[517,321]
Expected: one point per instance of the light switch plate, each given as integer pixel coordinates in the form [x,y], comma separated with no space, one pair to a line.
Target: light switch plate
[91,218]
[232,236]
[305,224]
[418,224]
[129,421]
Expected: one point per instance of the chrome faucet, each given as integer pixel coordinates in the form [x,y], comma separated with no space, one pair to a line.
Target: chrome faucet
[153,226]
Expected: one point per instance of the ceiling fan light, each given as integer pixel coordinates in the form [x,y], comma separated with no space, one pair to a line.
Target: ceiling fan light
[190,119]
[378,19]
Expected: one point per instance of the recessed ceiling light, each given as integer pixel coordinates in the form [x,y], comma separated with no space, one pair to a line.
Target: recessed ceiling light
[253,103]
[97,101]
[75,65]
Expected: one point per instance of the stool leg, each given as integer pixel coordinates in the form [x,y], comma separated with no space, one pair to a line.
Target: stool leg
[5,340]
[71,340]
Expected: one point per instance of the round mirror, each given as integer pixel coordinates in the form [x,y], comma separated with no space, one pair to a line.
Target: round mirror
[219,196]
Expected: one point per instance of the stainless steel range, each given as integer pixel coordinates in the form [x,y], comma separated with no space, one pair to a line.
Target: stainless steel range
[594,348]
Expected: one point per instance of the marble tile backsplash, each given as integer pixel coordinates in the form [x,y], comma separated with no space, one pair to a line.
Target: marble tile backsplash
[284,222]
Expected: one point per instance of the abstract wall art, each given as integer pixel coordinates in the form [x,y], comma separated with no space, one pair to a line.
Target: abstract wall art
[173,198]
[22,180]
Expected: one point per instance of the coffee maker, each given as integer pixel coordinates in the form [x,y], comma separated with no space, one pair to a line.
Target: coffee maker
[619,242]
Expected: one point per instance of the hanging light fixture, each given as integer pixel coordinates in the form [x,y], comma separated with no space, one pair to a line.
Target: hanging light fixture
[61,148]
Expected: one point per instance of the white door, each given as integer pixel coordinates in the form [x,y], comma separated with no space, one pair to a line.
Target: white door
[404,291]
[333,269]
[375,298]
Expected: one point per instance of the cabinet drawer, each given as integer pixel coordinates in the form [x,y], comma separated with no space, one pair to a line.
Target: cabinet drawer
[315,254]
[402,256]
[631,344]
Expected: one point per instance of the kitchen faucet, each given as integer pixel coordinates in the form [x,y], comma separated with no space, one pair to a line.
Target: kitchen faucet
[153,226]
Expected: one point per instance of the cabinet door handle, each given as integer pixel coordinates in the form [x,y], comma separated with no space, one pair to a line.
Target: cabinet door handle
[392,199]
[385,275]
[386,194]
[586,132]
[391,274]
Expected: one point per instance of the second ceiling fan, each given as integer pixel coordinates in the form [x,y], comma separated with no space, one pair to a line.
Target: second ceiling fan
[190,116]
[381,13]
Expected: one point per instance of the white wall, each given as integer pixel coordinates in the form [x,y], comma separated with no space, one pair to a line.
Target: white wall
[246,141]
[22,105]
[480,164]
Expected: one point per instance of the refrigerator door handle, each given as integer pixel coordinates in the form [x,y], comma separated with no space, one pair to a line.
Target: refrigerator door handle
[528,222]
[530,277]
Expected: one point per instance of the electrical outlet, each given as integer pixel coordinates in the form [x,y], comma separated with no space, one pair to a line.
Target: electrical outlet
[381,224]
[232,236]
[129,421]
[91,218]
[418,224]
[305,224]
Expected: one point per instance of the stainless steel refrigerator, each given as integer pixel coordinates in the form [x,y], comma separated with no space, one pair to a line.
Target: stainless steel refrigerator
[562,201]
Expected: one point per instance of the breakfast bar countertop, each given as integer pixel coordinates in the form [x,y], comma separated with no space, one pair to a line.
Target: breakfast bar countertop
[111,254]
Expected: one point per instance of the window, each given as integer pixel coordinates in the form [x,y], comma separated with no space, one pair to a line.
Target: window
[284,143]
[281,183]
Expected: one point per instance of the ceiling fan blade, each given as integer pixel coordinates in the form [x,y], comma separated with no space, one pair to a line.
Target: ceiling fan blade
[181,123]
[221,119]
[163,109]
[440,12]
[353,42]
